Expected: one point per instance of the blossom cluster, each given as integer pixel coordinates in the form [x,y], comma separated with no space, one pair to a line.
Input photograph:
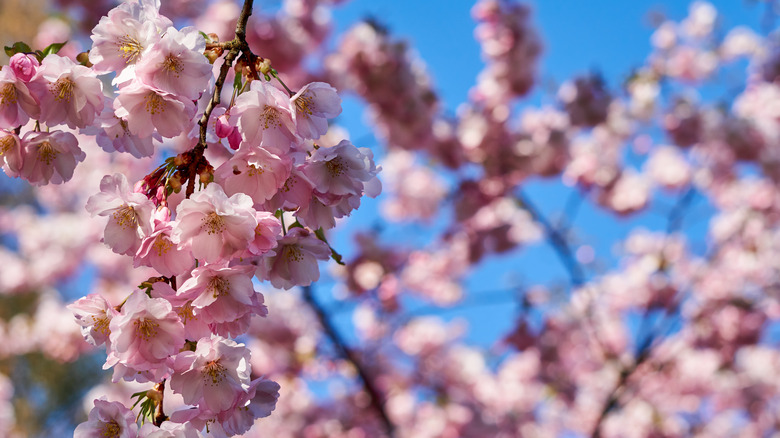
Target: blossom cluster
[207,248]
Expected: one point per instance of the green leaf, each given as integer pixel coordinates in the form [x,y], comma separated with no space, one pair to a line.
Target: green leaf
[53,48]
[18,47]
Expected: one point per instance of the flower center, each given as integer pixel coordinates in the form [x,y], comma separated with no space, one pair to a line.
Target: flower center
[218,286]
[336,167]
[304,104]
[172,65]
[145,329]
[129,48]
[125,217]
[253,170]
[270,116]
[101,323]
[186,313]
[161,244]
[214,372]
[6,143]
[46,153]
[8,94]
[213,223]
[154,103]
[62,89]
[111,429]
[294,253]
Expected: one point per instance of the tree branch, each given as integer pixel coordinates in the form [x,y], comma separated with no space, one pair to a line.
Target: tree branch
[557,240]
[377,401]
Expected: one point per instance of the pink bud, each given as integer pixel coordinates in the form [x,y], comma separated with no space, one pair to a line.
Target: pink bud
[24,66]
[223,127]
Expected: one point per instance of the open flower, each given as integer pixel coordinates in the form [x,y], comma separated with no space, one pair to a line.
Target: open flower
[214,376]
[130,214]
[93,313]
[49,157]
[219,293]
[176,64]
[312,106]
[214,226]
[67,92]
[146,108]
[265,118]
[294,261]
[108,420]
[145,333]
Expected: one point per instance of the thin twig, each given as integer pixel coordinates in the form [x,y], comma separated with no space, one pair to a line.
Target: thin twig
[377,401]
[557,240]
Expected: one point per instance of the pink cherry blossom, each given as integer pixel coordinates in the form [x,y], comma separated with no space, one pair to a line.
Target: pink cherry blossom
[24,66]
[294,261]
[267,231]
[17,104]
[175,64]
[145,333]
[130,214]
[158,251]
[313,105]
[219,293]
[258,402]
[108,420]
[121,37]
[93,313]
[49,157]
[10,153]
[341,170]
[255,172]
[214,376]
[146,109]
[112,134]
[214,226]
[67,92]
[265,118]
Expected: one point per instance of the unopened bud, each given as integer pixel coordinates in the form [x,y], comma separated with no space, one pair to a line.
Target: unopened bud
[264,65]
[83,59]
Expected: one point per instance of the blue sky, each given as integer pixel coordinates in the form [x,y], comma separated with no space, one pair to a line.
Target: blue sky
[608,36]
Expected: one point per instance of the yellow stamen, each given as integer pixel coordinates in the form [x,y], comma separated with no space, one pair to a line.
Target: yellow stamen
[6,143]
[172,65]
[47,153]
[101,324]
[125,217]
[8,94]
[218,286]
[154,103]
[186,313]
[214,372]
[62,89]
[129,48]
[213,223]
[271,117]
[145,328]
[294,253]
[304,104]
[111,429]
[162,244]
[336,167]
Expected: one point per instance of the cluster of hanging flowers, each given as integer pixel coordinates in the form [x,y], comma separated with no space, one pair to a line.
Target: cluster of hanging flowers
[180,326]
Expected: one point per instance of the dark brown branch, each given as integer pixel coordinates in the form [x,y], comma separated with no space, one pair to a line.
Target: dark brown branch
[377,401]
[673,224]
[234,47]
[557,240]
